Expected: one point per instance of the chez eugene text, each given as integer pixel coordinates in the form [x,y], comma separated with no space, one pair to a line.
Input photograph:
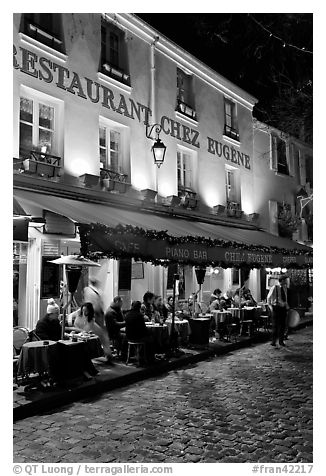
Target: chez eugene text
[48,71]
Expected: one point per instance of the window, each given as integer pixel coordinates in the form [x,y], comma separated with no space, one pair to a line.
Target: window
[110,148]
[185,99]
[114,53]
[231,184]
[184,165]
[36,126]
[230,120]
[279,155]
[45,28]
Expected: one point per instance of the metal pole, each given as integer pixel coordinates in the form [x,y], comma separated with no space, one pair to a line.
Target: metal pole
[63,322]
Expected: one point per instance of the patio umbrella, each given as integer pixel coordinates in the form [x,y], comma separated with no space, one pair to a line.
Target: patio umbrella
[72,267]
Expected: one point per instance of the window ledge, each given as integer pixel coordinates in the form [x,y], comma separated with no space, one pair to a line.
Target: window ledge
[185,118]
[44,48]
[231,141]
[113,82]
[280,174]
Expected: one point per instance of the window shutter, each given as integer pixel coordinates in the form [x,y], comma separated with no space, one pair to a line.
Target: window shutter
[273,157]
[290,152]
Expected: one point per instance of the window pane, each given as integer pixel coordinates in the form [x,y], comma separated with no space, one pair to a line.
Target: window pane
[26,110]
[46,114]
[102,134]
[103,157]
[45,140]
[114,140]
[114,165]
[25,137]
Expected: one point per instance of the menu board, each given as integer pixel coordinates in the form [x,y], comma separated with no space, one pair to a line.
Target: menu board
[125,274]
[50,278]
[137,270]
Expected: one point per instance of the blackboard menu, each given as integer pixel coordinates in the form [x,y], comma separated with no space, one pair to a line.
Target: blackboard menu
[50,278]
[125,274]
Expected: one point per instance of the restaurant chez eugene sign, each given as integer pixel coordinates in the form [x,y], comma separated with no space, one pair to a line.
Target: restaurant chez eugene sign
[134,245]
[48,71]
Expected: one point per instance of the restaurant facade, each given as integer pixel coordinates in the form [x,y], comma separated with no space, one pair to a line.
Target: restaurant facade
[92,94]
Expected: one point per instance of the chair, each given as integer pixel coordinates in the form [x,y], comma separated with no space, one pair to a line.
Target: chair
[139,348]
[20,336]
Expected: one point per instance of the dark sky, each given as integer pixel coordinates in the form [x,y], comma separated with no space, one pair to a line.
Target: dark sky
[247,49]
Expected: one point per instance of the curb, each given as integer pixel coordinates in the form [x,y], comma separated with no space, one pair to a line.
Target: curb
[51,402]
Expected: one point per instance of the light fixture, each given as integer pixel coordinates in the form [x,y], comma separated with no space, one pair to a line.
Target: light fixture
[158,148]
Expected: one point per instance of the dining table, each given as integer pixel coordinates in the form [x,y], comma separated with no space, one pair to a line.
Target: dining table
[37,357]
[61,360]
[248,316]
[200,327]
[181,326]
[160,335]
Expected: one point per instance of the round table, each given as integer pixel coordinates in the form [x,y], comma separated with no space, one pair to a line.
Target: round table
[160,334]
[200,330]
[181,326]
[220,317]
[35,357]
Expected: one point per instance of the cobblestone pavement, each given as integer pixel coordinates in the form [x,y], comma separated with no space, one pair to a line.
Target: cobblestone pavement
[254,405]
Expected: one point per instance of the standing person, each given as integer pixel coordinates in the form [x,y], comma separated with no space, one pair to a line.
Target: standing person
[115,321]
[277,301]
[92,294]
[147,306]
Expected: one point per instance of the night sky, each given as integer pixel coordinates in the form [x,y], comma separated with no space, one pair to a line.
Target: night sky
[249,51]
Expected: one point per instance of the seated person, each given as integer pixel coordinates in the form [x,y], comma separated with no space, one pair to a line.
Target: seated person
[169,305]
[160,310]
[147,306]
[85,321]
[136,329]
[48,327]
[115,321]
[249,300]
[215,300]
[226,300]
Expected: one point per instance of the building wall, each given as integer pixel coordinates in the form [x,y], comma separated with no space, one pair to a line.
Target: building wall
[78,113]
[270,186]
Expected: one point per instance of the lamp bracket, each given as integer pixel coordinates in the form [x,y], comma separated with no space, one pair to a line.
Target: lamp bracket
[150,128]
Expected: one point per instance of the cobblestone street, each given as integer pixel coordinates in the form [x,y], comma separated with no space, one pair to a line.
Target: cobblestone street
[252,405]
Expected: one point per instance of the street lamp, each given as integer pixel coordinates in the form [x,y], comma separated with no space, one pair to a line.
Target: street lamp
[158,148]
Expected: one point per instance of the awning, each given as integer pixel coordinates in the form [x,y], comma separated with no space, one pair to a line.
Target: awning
[117,233]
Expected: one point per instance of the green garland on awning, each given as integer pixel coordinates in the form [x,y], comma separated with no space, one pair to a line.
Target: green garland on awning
[86,230]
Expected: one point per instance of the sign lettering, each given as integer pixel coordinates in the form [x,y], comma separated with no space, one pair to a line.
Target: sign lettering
[45,70]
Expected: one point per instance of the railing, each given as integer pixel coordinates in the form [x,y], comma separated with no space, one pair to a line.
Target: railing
[37,163]
[115,72]
[112,180]
[188,197]
[39,33]
[113,175]
[234,209]
[186,109]
[231,132]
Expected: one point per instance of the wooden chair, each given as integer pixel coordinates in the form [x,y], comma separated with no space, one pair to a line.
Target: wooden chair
[20,336]
[139,348]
